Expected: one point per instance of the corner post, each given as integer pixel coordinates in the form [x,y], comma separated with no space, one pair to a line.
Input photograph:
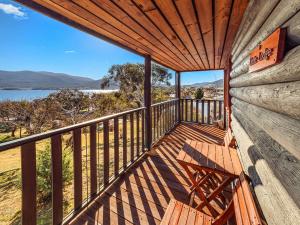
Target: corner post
[147,102]
[178,94]
[227,96]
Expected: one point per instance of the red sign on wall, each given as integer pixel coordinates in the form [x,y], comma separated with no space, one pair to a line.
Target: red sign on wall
[269,52]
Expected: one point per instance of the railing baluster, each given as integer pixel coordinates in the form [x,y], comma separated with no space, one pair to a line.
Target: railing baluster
[131,138]
[202,111]
[168,116]
[116,145]
[28,165]
[197,110]
[143,130]
[93,159]
[160,120]
[186,110]
[157,121]
[192,111]
[106,151]
[220,110]
[57,179]
[77,154]
[124,141]
[215,109]
[208,111]
[158,108]
[138,133]
[154,123]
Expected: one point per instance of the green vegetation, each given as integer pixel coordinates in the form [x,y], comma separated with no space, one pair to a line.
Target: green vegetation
[199,93]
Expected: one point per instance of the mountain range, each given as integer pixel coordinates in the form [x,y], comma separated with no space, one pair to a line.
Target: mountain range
[46,80]
[216,84]
[43,80]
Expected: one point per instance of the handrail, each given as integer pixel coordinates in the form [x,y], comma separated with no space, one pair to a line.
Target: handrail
[48,134]
[160,103]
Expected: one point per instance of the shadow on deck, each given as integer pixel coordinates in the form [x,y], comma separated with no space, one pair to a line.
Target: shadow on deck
[142,195]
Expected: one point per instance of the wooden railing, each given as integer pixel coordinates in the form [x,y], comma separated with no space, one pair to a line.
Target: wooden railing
[117,139]
[164,117]
[101,150]
[201,111]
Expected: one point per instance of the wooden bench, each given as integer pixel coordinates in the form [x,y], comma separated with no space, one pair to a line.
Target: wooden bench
[242,206]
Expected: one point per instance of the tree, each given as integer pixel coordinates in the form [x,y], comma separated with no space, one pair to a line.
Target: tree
[199,93]
[73,104]
[130,78]
[43,171]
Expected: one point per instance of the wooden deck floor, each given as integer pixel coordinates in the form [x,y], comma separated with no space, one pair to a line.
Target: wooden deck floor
[143,194]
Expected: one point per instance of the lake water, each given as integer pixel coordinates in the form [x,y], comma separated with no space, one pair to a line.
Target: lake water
[17,95]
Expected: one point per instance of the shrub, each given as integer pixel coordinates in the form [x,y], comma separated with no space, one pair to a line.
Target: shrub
[44,178]
[199,93]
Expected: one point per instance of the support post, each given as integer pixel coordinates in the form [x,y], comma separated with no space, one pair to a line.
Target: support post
[178,94]
[227,97]
[147,102]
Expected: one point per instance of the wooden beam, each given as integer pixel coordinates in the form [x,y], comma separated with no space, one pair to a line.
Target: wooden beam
[147,102]
[178,93]
[28,167]
[57,179]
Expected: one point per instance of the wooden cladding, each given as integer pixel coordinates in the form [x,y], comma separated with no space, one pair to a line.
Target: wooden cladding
[183,35]
[269,52]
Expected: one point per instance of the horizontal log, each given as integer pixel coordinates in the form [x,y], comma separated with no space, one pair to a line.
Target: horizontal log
[282,97]
[242,68]
[258,14]
[293,31]
[288,70]
[293,39]
[284,165]
[277,205]
[279,16]
[283,129]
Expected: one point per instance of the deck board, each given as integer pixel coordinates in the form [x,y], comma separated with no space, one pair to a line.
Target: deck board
[143,194]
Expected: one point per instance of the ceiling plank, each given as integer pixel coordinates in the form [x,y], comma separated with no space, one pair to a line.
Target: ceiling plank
[168,10]
[187,12]
[68,6]
[155,16]
[222,13]
[131,15]
[239,6]
[124,23]
[204,10]
[90,10]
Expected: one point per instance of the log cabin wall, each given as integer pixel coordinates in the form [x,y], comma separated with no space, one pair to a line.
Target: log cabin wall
[266,110]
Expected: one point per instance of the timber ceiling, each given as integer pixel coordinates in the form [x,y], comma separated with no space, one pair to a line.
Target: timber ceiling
[184,35]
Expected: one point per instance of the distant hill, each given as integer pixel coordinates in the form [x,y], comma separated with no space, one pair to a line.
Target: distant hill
[217,84]
[46,80]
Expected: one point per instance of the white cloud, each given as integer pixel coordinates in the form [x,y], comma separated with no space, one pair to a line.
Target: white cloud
[70,51]
[13,10]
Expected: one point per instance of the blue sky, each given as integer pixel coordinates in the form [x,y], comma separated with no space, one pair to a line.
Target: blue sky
[32,41]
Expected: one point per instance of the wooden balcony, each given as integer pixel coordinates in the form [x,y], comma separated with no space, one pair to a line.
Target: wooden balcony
[141,196]
[112,165]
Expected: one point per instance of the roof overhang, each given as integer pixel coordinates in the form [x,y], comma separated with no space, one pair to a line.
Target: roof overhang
[184,35]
